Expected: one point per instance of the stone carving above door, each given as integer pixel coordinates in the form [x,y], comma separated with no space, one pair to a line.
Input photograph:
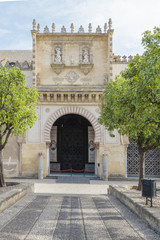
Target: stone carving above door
[80,56]
[71,76]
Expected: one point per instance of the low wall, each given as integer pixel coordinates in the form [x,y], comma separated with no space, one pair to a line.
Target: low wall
[133,200]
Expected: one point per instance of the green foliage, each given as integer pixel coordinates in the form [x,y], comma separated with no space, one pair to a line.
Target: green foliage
[17,104]
[132,102]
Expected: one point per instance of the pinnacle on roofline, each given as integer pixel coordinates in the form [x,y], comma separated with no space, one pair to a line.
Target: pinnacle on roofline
[107,27]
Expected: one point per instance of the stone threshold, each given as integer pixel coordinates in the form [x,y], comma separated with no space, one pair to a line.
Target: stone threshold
[136,203]
[10,196]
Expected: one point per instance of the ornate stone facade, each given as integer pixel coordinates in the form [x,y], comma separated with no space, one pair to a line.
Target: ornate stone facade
[70,70]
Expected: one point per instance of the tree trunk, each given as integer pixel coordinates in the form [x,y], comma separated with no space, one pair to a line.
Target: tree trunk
[141,167]
[2,182]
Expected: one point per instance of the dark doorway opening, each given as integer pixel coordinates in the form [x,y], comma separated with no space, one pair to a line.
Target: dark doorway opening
[72,141]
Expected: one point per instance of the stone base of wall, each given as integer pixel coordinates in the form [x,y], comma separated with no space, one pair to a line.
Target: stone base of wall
[30,155]
[116,165]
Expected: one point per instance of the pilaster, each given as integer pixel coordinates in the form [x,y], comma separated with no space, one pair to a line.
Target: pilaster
[110,49]
[34,33]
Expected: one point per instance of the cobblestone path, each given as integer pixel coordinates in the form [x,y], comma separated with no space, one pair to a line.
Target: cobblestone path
[47,217]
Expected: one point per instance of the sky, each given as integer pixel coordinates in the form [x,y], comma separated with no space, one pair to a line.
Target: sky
[130,19]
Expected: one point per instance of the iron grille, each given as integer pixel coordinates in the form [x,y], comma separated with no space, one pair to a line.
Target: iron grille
[152,161]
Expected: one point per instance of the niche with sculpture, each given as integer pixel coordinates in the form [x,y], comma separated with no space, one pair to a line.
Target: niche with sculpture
[86,60]
[57,62]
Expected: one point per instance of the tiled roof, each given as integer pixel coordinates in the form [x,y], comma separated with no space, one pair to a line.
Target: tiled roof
[16,55]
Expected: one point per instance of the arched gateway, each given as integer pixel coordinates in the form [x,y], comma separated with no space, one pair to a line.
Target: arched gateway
[72,110]
[72,132]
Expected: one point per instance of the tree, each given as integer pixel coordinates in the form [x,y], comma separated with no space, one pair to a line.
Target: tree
[132,102]
[17,107]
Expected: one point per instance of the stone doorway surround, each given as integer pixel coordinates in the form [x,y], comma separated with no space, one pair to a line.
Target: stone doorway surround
[71,110]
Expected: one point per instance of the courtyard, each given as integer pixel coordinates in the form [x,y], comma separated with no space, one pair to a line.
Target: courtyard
[71,207]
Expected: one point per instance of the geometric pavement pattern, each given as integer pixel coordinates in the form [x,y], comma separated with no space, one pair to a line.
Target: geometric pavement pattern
[40,217]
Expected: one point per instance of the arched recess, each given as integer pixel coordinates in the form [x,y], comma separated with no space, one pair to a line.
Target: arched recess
[72,110]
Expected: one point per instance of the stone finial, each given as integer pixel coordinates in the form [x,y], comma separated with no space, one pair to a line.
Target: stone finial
[105,27]
[25,65]
[90,28]
[124,58]
[34,24]
[81,29]
[4,61]
[130,58]
[46,29]
[53,27]
[117,58]
[72,28]
[98,29]
[63,29]
[38,27]
[110,24]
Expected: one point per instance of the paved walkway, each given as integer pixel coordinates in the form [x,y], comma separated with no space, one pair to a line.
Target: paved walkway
[84,216]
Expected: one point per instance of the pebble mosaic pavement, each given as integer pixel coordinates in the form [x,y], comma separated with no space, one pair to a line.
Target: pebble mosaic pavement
[81,217]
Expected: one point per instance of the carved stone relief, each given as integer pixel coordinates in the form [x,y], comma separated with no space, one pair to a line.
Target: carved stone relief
[58,55]
[86,81]
[57,68]
[86,68]
[58,80]
[97,110]
[47,110]
[71,77]
[85,56]
[84,61]
[57,58]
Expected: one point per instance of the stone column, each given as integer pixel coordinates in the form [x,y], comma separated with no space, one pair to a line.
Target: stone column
[48,158]
[96,158]
[40,166]
[105,166]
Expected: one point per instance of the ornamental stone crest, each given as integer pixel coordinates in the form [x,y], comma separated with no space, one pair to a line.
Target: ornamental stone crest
[71,77]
